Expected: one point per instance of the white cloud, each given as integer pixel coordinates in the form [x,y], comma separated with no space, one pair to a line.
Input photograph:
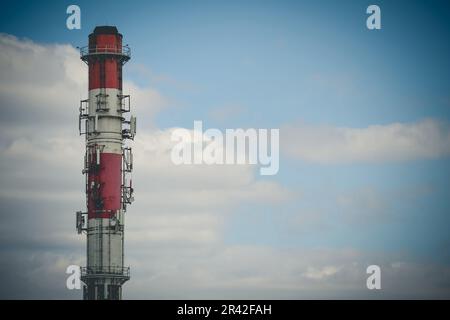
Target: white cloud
[320,273]
[240,272]
[145,102]
[188,203]
[426,139]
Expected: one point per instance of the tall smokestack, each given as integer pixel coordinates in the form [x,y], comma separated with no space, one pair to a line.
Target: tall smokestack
[107,165]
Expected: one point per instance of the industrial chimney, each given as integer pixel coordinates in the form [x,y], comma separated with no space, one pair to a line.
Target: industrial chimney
[107,165]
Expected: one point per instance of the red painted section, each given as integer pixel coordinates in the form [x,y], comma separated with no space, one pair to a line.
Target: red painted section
[109,41]
[105,71]
[104,186]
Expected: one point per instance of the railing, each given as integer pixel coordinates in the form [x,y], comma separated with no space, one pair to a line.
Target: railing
[117,50]
[117,271]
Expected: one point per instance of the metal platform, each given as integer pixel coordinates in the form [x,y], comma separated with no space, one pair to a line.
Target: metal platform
[87,52]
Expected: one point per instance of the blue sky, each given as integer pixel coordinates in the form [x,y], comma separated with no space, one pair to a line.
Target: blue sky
[278,64]
[272,49]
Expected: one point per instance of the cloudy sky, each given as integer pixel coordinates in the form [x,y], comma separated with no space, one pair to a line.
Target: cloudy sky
[364,140]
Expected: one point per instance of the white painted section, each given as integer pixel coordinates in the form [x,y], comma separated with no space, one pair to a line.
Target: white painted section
[104,246]
[105,120]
